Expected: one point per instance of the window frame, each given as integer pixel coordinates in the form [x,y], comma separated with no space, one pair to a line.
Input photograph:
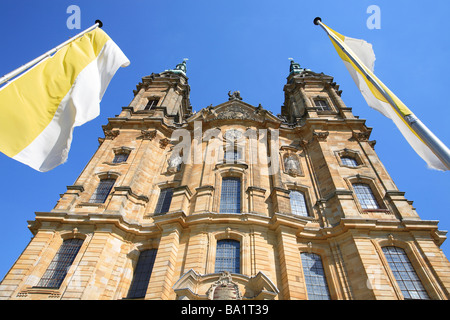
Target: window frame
[223,208]
[118,155]
[379,205]
[141,275]
[405,272]
[305,203]
[95,198]
[311,285]
[236,260]
[151,103]
[349,161]
[162,205]
[321,108]
[60,264]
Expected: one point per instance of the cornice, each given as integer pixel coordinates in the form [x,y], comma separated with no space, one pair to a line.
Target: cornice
[302,227]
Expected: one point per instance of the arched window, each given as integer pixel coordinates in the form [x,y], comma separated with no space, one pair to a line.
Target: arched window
[365,196]
[164,201]
[102,191]
[57,270]
[142,273]
[228,253]
[404,273]
[298,203]
[316,283]
[230,198]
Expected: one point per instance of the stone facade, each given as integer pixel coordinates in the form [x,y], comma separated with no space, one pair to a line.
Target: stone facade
[302,149]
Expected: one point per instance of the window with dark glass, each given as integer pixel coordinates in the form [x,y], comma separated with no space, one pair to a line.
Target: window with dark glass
[404,273]
[232,155]
[57,270]
[164,200]
[103,189]
[316,283]
[298,203]
[151,103]
[365,196]
[349,161]
[120,157]
[321,105]
[230,198]
[142,273]
[228,253]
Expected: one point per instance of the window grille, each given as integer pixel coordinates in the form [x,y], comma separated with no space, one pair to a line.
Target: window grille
[228,256]
[120,157]
[102,191]
[404,274]
[57,270]
[349,161]
[230,198]
[365,196]
[142,273]
[316,284]
[151,103]
[164,200]
[321,105]
[298,203]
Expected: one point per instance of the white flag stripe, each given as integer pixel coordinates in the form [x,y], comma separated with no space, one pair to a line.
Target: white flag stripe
[359,58]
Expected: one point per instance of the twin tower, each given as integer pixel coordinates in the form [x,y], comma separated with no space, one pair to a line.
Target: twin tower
[232,203]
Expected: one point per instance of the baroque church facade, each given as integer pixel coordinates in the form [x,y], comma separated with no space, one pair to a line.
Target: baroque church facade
[232,202]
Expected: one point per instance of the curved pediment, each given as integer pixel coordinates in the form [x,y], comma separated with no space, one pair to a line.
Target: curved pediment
[195,286]
[234,110]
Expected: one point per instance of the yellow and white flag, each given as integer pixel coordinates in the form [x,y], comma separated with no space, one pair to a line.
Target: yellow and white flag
[361,52]
[40,108]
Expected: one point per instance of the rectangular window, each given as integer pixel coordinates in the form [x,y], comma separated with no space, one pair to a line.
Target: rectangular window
[316,283]
[365,196]
[142,273]
[164,200]
[57,270]
[298,203]
[232,156]
[102,191]
[230,198]
[349,161]
[404,274]
[151,103]
[120,157]
[321,105]
[228,256]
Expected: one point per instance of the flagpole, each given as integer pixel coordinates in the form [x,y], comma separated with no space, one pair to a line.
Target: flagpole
[437,146]
[28,65]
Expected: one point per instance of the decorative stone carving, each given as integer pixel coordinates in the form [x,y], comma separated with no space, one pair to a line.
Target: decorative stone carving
[148,134]
[174,162]
[292,165]
[111,134]
[361,136]
[232,135]
[234,112]
[236,95]
[321,135]
[224,289]
[163,143]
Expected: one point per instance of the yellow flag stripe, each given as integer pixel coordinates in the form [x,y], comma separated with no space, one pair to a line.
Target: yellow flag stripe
[29,103]
[401,107]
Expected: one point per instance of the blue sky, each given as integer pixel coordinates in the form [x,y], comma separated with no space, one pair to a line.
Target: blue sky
[245,46]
